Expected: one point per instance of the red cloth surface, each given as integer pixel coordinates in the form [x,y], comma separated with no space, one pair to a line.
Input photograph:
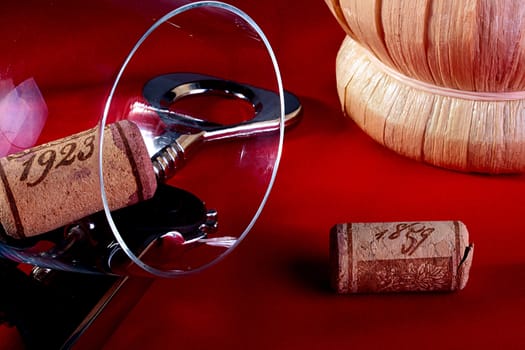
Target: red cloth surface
[273,291]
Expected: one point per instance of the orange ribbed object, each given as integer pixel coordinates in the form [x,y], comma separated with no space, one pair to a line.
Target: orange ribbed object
[437,81]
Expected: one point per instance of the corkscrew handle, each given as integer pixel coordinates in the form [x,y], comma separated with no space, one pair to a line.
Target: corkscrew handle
[56,183]
[183,133]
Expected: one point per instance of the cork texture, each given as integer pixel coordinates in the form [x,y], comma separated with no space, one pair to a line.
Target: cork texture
[400,256]
[53,184]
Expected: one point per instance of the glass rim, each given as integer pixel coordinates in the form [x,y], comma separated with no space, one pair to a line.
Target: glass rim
[179,10]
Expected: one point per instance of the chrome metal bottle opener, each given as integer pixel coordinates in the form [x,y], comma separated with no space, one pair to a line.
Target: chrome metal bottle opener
[183,132]
[172,213]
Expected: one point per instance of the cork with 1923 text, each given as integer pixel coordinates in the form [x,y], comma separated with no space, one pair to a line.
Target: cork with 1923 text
[54,184]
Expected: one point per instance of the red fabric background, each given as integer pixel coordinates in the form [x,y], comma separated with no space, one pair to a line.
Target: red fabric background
[273,292]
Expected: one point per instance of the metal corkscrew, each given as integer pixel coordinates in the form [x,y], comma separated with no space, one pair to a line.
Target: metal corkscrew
[166,227]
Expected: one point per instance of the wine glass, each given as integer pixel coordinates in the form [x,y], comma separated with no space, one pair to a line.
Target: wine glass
[151,151]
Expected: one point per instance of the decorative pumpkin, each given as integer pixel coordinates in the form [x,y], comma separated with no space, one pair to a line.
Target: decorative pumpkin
[438,81]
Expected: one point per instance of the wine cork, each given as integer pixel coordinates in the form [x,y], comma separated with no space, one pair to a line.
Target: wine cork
[54,184]
[399,256]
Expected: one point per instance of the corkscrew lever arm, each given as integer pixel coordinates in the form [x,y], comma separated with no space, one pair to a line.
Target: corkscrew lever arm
[184,132]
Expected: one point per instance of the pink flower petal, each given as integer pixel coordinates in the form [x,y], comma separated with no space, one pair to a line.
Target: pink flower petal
[23,114]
